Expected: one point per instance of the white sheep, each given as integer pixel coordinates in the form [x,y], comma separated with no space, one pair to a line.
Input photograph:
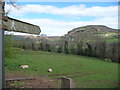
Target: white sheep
[24,66]
[50,70]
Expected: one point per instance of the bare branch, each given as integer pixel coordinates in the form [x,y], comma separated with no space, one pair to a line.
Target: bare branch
[13,3]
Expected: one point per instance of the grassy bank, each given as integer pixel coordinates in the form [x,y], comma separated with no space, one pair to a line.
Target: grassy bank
[94,73]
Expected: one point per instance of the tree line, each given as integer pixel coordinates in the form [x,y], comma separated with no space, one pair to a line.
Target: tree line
[89,45]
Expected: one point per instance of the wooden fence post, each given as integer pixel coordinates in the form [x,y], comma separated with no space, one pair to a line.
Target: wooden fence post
[67,83]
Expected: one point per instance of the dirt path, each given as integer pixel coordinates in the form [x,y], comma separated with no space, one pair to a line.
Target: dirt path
[39,82]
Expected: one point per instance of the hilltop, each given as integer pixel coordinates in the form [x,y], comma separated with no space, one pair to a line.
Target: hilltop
[93,29]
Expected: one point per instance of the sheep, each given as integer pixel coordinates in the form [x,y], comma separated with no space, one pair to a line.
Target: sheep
[50,70]
[24,66]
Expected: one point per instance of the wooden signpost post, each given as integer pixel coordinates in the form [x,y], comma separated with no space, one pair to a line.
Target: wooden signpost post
[1,45]
[10,24]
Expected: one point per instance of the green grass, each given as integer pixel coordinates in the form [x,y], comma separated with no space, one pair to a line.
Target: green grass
[112,40]
[16,84]
[103,73]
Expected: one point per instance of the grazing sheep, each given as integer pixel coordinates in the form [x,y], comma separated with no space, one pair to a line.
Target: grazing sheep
[50,70]
[24,66]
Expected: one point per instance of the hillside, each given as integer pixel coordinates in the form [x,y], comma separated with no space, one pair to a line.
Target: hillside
[91,31]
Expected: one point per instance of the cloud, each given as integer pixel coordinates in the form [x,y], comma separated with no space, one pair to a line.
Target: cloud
[54,27]
[103,16]
[74,10]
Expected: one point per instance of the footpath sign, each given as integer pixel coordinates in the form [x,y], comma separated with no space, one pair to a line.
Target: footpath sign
[10,24]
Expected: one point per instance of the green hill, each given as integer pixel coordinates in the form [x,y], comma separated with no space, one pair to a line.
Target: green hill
[92,32]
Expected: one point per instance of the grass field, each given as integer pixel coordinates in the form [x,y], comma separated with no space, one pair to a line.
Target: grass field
[94,73]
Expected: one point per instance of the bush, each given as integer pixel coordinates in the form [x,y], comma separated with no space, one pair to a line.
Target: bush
[10,51]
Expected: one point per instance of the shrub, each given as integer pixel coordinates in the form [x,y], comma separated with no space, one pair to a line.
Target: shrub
[10,51]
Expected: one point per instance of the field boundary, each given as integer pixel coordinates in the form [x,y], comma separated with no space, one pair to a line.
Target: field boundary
[87,73]
[51,75]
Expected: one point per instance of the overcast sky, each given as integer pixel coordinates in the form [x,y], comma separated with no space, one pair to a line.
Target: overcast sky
[57,18]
